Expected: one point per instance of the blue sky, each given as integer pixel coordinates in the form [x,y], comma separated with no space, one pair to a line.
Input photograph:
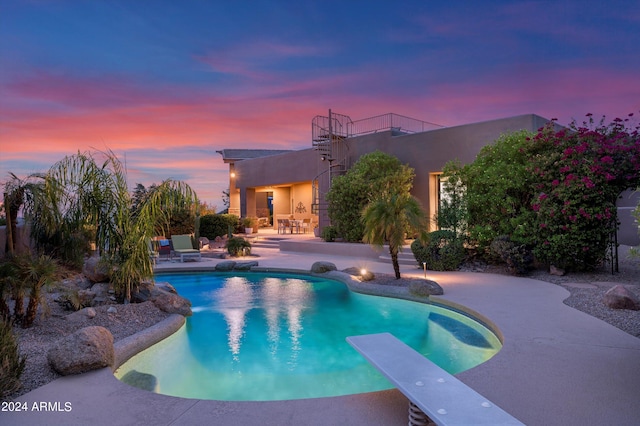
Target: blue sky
[165,84]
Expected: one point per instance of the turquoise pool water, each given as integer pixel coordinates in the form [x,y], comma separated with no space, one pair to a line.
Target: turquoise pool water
[265,337]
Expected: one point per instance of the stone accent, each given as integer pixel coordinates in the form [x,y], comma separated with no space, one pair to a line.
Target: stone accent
[425,288]
[94,271]
[322,266]
[226,266]
[245,266]
[554,270]
[172,303]
[87,349]
[618,297]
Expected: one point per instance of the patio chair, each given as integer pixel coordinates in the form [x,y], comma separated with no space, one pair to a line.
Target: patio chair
[154,254]
[183,247]
[306,225]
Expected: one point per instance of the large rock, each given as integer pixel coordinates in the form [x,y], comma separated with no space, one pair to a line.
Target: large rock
[172,303]
[225,266]
[245,266]
[322,266]
[94,271]
[425,288]
[618,297]
[87,349]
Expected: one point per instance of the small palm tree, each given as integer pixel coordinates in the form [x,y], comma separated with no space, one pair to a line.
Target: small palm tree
[387,219]
[36,273]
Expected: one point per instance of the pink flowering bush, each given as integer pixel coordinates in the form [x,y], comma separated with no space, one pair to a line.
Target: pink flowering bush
[579,174]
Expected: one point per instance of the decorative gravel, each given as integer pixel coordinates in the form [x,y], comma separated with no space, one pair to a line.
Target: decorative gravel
[35,342]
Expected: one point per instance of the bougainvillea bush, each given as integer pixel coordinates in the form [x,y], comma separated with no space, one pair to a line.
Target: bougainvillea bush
[579,174]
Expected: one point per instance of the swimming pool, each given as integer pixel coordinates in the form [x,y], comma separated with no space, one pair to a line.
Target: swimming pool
[259,337]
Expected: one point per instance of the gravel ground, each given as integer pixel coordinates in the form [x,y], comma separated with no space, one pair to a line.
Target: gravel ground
[35,342]
[586,291]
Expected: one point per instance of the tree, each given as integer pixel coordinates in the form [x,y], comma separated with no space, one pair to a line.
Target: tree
[577,182]
[35,272]
[83,199]
[350,193]
[497,188]
[387,218]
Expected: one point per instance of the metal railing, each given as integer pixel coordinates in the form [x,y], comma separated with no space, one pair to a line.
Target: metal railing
[390,121]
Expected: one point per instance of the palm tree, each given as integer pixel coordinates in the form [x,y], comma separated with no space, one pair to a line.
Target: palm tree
[96,196]
[388,217]
[36,272]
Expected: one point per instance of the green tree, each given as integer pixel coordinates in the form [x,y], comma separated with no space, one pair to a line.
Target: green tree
[35,272]
[86,199]
[497,188]
[350,193]
[387,219]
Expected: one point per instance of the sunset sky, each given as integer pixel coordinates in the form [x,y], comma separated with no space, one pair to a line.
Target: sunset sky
[164,84]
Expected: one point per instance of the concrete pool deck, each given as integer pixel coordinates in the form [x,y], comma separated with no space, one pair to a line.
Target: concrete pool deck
[558,366]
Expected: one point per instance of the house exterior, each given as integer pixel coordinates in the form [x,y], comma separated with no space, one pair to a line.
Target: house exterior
[294,183]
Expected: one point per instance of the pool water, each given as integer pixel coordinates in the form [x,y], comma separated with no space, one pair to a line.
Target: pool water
[266,337]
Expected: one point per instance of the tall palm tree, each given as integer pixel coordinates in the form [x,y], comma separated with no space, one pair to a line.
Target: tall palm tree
[96,195]
[388,217]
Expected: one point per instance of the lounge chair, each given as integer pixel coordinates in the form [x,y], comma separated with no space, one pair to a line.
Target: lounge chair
[183,247]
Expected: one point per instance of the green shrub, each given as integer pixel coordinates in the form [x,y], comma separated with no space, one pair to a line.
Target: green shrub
[11,363]
[237,246]
[217,225]
[352,192]
[329,233]
[518,257]
[442,251]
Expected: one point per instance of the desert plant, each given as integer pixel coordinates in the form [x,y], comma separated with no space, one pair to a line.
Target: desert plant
[518,257]
[237,246]
[329,233]
[37,272]
[387,218]
[441,250]
[11,363]
[80,194]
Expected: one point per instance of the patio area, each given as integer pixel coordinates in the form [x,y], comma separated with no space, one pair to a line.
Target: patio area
[558,366]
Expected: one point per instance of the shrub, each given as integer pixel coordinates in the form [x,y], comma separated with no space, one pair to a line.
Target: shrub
[329,233]
[578,181]
[350,193]
[443,251]
[11,363]
[237,246]
[518,257]
[217,225]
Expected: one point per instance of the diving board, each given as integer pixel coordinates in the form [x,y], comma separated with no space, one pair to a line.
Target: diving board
[438,394]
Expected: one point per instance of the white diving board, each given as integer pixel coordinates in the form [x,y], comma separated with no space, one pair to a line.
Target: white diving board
[442,397]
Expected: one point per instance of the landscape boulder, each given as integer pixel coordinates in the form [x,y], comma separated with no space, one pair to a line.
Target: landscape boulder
[87,349]
[172,303]
[425,288]
[94,271]
[226,266]
[322,266]
[245,266]
[618,297]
